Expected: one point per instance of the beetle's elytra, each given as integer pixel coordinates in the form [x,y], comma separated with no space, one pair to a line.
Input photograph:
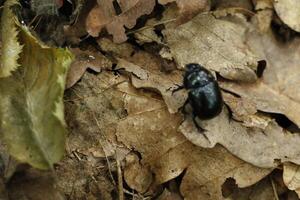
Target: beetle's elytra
[204,95]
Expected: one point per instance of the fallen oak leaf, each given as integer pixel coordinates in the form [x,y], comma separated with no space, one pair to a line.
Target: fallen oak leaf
[103,15]
[206,170]
[266,99]
[154,135]
[245,111]
[276,91]
[217,44]
[84,60]
[155,80]
[261,147]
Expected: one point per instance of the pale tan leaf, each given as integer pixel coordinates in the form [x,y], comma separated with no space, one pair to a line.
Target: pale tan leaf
[154,135]
[277,91]
[217,44]
[261,147]
[289,12]
[291,177]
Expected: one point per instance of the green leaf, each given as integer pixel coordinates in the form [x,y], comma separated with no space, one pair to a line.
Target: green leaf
[31,103]
[10,46]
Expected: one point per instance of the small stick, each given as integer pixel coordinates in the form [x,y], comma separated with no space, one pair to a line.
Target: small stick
[120,181]
[274,189]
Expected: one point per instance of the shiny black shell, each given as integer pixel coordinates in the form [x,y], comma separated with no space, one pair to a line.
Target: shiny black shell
[204,94]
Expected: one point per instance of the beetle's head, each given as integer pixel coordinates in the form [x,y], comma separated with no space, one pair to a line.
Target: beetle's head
[192,67]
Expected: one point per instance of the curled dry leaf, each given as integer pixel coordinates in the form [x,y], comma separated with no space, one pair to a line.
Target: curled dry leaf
[103,15]
[217,44]
[291,177]
[289,12]
[153,133]
[84,60]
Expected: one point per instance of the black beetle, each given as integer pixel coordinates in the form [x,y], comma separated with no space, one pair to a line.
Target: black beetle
[204,95]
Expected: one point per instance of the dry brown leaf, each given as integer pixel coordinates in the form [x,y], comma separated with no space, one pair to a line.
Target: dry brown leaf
[150,130]
[136,175]
[188,8]
[153,133]
[277,91]
[158,82]
[289,12]
[258,145]
[147,73]
[291,177]
[261,147]
[103,15]
[245,111]
[147,33]
[217,44]
[84,60]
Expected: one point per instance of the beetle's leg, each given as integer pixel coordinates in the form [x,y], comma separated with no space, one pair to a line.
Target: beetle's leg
[182,108]
[179,87]
[115,70]
[200,129]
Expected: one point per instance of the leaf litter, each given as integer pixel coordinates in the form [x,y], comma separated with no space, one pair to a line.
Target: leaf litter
[126,123]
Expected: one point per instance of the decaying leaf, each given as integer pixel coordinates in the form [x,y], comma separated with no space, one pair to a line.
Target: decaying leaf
[11,48]
[289,12]
[84,60]
[217,44]
[31,107]
[291,177]
[104,15]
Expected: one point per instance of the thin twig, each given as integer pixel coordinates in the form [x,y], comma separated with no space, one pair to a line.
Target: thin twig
[107,160]
[274,189]
[120,181]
